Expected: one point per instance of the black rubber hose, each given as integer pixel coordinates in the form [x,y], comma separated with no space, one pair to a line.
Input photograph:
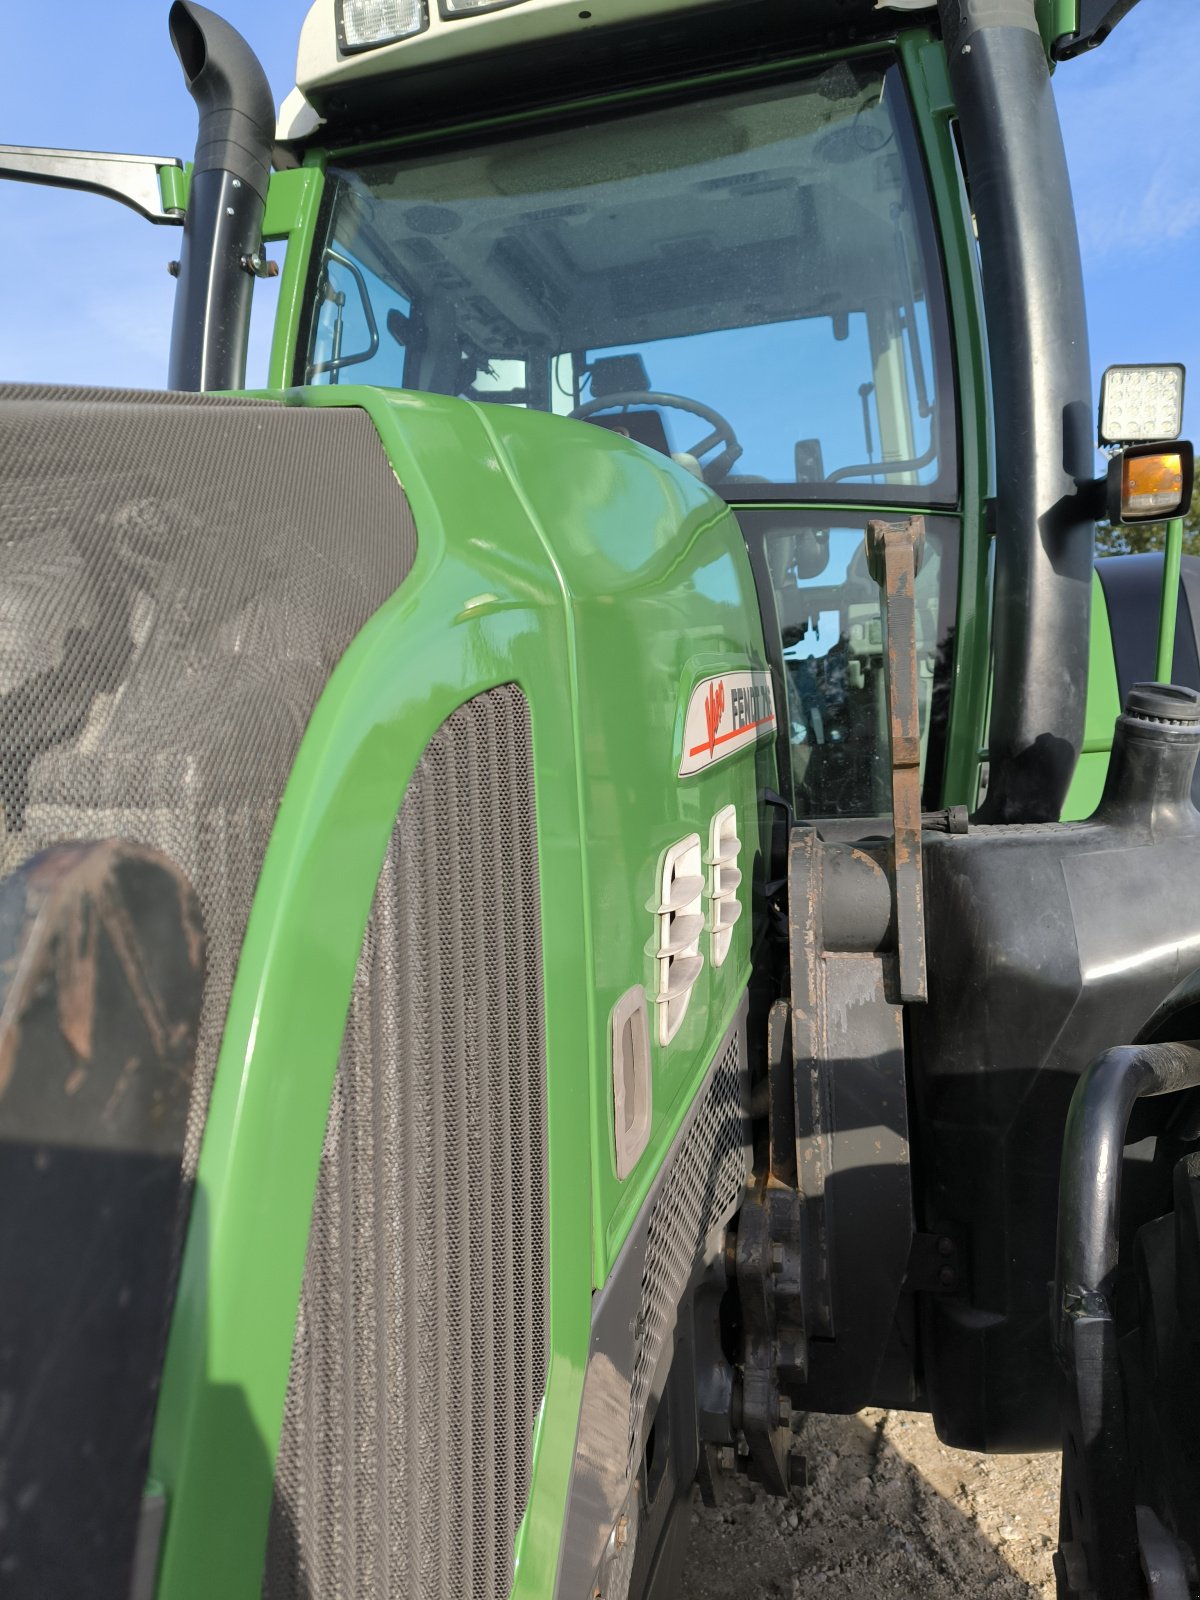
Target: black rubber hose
[1090,1186]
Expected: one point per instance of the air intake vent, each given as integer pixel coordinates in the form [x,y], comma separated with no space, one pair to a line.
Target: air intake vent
[724,906]
[705,1182]
[419,1364]
[678,924]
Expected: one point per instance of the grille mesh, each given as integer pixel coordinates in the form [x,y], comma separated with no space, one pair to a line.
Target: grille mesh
[701,1191]
[179,576]
[419,1362]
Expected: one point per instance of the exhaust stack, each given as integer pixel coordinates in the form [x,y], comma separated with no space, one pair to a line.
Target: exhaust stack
[1041,385]
[228,197]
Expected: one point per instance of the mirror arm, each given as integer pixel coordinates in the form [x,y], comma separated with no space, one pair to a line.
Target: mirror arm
[133,180]
[1093,498]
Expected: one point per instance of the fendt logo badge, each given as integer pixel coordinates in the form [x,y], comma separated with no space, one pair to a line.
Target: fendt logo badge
[725,715]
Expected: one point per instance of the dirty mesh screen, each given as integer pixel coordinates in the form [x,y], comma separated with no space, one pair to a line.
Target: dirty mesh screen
[704,1185]
[179,575]
[419,1361]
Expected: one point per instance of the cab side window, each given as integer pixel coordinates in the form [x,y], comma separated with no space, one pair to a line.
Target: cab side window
[824,620]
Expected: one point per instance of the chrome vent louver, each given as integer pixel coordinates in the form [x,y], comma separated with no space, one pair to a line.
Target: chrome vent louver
[725,878]
[678,925]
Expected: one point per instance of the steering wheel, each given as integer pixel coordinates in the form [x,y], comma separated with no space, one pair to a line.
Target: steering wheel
[722,430]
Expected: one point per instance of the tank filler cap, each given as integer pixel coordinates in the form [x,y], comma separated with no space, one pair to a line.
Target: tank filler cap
[1163,702]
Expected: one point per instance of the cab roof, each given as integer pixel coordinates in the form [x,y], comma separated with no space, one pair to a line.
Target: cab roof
[463,66]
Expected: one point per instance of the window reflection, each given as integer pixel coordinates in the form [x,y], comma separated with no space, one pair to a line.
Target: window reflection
[829,641]
[763,255]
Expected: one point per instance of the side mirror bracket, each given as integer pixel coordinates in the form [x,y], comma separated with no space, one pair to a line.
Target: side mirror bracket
[144,183]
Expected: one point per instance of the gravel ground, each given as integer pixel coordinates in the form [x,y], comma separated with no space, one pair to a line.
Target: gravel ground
[888,1511]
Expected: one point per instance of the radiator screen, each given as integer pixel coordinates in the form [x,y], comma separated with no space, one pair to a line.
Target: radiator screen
[419,1362]
[179,575]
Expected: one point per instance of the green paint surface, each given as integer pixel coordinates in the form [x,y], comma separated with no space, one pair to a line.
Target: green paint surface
[293,202]
[1056,17]
[1103,709]
[1169,605]
[924,61]
[602,580]
[173,185]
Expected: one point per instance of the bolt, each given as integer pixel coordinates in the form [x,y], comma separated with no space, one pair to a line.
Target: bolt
[947,1277]
[229,211]
[945,1247]
[173,268]
[237,183]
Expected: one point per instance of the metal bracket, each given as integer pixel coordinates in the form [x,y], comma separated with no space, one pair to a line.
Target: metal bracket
[1097,19]
[133,180]
[768,1260]
[934,1264]
[894,554]
[259,267]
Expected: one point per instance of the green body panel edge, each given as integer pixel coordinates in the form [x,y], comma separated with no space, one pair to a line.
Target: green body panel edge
[597,577]
[1103,709]
[293,203]
[924,62]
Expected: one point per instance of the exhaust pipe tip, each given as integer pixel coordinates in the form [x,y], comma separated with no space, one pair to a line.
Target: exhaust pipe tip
[230,88]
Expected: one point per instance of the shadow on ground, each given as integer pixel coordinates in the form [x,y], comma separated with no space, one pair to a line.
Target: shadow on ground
[888,1512]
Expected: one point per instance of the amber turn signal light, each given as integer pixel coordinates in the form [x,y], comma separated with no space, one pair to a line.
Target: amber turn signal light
[1152,483]
[1149,482]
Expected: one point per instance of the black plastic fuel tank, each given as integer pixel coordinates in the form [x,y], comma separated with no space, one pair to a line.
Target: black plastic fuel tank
[1047,944]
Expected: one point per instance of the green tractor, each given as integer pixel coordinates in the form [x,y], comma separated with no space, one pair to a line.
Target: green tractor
[538,944]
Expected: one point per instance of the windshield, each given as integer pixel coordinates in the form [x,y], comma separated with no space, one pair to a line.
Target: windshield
[747,283]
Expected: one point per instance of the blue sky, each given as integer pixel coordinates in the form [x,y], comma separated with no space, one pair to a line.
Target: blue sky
[89,298]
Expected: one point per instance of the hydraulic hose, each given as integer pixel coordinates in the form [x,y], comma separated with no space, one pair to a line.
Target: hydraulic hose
[1090,1187]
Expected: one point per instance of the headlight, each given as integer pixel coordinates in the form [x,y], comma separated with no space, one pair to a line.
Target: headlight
[469,8]
[364,24]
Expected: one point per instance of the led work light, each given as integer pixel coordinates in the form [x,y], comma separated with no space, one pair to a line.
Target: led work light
[1141,403]
[364,24]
